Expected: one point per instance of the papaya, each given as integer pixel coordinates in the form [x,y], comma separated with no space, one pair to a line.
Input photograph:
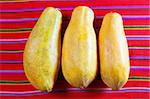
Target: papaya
[41,56]
[79,49]
[114,55]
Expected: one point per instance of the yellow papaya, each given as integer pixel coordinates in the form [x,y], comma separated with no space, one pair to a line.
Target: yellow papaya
[114,55]
[41,57]
[79,50]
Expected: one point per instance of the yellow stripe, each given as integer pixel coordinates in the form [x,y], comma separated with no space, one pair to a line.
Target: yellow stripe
[138,80]
[15,32]
[12,51]
[16,0]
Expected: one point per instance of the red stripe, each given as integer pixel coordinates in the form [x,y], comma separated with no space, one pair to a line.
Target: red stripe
[13,77]
[12,46]
[11,56]
[138,43]
[36,14]
[120,11]
[139,73]
[18,25]
[17,87]
[11,66]
[139,62]
[14,35]
[137,32]
[139,52]
[71,4]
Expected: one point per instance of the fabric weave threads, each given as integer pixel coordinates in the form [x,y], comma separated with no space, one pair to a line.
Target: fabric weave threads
[17,20]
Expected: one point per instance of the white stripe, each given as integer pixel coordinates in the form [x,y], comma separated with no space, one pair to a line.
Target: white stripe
[137,35]
[139,48]
[35,91]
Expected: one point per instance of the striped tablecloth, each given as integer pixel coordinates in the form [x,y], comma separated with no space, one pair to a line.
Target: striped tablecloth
[17,19]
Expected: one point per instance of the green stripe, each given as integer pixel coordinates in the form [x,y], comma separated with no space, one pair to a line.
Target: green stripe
[29,29]
[138,46]
[139,77]
[26,81]
[15,30]
[137,26]
[14,81]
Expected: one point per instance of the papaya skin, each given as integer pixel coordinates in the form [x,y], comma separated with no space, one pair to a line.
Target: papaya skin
[114,55]
[79,50]
[41,56]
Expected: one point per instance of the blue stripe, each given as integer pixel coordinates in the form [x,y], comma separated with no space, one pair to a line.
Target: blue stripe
[138,38]
[28,94]
[11,71]
[140,67]
[12,42]
[140,57]
[11,61]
